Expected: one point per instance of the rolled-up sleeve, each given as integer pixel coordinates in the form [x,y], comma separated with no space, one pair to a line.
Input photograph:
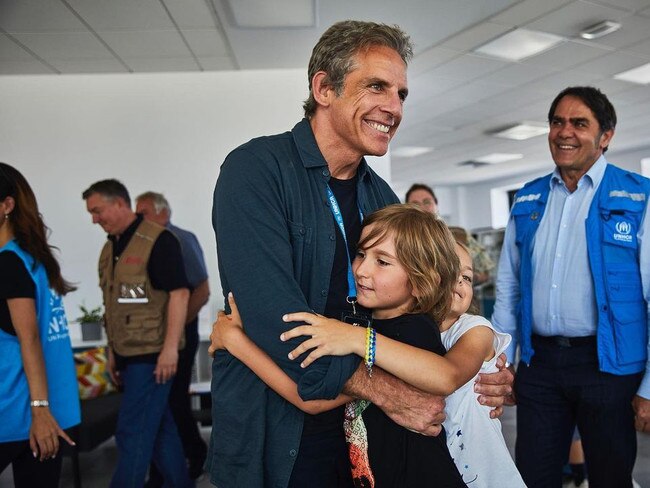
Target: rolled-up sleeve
[268,248]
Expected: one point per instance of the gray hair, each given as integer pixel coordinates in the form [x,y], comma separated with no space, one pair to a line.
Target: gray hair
[335,52]
[159,201]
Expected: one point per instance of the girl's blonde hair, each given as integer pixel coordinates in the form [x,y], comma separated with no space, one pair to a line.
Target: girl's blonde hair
[474,308]
[425,248]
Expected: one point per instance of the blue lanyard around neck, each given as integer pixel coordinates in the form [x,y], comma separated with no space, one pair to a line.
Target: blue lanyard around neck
[338,217]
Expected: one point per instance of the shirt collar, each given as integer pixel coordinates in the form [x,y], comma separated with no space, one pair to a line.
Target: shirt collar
[593,176]
[310,154]
[130,230]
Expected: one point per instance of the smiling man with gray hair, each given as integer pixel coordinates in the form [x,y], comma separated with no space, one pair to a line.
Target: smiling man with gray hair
[284,246]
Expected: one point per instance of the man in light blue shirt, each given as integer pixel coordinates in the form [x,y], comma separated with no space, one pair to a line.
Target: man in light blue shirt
[573,287]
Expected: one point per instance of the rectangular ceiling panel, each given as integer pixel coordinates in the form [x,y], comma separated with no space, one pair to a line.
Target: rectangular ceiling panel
[64,45]
[122,15]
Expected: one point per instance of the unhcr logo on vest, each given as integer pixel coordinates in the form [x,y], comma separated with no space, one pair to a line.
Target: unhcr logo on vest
[623,230]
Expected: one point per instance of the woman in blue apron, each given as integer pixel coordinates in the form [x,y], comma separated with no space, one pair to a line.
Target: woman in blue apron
[38,387]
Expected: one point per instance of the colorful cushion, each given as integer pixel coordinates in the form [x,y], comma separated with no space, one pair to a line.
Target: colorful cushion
[92,377]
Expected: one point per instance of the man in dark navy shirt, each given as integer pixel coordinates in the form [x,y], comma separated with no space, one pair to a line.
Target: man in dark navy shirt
[283,247]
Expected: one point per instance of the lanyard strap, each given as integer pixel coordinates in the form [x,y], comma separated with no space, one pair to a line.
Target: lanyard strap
[338,217]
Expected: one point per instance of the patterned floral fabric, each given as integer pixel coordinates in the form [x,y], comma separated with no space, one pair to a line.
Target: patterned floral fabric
[357,439]
[92,377]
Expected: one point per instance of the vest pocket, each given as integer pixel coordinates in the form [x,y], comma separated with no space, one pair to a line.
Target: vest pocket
[628,313]
[143,332]
[133,289]
[620,230]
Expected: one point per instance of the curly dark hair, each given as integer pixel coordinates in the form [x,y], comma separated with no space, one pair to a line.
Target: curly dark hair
[420,186]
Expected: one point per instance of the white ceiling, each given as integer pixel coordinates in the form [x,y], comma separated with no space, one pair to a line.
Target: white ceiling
[455,96]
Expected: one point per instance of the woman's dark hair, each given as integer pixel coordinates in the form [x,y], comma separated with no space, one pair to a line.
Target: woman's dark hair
[28,227]
[420,186]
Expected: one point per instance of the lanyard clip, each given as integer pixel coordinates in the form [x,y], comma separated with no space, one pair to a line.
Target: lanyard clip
[352,301]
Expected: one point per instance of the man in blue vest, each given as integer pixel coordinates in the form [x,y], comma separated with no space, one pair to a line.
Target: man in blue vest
[573,287]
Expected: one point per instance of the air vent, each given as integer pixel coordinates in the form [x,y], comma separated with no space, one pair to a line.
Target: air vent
[473,163]
[600,29]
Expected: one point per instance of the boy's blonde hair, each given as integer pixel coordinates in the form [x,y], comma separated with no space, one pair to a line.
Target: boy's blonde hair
[425,248]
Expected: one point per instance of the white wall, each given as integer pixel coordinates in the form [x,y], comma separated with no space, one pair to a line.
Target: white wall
[448,203]
[480,213]
[630,160]
[162,132]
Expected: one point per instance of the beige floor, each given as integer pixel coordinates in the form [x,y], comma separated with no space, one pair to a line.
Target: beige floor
[97,466]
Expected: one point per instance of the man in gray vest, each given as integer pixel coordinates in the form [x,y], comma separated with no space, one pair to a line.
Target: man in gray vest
[155,208]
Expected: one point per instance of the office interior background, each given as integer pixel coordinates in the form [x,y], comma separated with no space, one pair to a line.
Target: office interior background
[157,92]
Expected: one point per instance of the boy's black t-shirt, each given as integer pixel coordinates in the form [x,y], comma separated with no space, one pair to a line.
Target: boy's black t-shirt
[400,458]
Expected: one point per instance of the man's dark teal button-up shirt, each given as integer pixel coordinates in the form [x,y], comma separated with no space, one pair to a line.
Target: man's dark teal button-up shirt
[275,252]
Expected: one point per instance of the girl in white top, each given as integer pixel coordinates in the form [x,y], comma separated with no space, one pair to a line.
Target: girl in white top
[475,440]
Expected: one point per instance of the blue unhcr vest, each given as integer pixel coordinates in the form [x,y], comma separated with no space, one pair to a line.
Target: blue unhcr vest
[63,393]
[612,224]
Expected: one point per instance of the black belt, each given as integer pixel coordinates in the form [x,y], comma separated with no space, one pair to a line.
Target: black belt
[562,341]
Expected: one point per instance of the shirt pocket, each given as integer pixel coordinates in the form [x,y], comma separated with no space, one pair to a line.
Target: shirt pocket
[300,237]
[299,232]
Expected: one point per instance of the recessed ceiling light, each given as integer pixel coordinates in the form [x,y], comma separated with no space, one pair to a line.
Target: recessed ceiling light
[262,14]
[600,29]
[496,158]
[521,132]
[410,151]
[519,44]
[640,74]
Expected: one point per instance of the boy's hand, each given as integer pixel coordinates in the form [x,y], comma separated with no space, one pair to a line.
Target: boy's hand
[225,327]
